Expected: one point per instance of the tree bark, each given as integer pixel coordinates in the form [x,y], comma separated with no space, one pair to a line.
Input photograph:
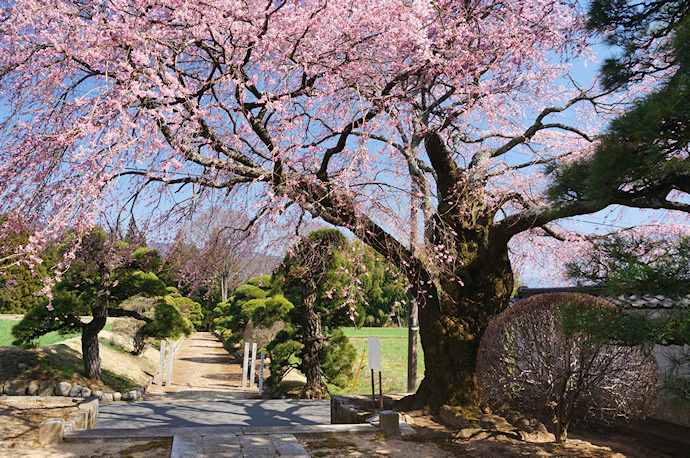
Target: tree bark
[312,339]
[453,319]
[89,337]
[90,349]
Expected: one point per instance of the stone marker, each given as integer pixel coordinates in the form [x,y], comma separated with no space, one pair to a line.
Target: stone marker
[75,391]
[389,422]
[63,389]
[32,388]
[51,431]
[47,388]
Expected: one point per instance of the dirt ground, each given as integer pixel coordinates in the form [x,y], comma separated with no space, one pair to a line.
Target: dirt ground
[19,420]
[94,449]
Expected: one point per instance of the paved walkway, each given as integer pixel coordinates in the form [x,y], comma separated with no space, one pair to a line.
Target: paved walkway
[207,412]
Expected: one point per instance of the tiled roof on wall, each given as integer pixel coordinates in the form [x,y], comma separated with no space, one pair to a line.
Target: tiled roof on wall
[647,301]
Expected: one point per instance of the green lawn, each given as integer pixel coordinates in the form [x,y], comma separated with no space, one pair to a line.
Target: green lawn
[48,339]
[393,361]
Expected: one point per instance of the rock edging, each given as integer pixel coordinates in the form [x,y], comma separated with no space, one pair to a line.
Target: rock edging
[47,388]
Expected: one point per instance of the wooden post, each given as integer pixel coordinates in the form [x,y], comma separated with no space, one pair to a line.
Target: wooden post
[261,373]
[171,353]
[412,324]
[360,368]
[252,376]
[373,390]
[245,364]
[380,391]
[161,365]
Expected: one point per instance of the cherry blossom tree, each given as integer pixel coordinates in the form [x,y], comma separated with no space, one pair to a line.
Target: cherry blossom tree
[215,249]
[325,109]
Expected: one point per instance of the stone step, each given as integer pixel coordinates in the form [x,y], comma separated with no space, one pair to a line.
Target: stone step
[157,432]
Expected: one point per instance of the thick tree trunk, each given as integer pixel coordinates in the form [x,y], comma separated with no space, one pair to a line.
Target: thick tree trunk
[312,339]
[89,337]
[453,320]
[90,349]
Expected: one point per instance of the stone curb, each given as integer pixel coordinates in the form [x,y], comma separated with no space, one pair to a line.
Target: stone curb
[152,433]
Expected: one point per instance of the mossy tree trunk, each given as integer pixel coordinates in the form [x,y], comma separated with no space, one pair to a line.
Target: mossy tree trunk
[312,341]
[453,318]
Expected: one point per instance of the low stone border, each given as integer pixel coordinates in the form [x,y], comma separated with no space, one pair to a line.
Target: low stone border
[343,412]
[50,388]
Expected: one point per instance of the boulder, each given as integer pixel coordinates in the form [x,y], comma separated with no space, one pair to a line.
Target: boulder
[75,391]
[98,394]
[47,388]
[63,389]
[131,396]
[15,387]
[32,388]
[107,397]
[85,392]
[117,396]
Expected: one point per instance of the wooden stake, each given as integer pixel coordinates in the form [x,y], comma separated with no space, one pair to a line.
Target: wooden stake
[373,390]
[360,368]
[380,391]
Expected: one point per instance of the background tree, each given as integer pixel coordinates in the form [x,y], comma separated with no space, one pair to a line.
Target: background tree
[173,317]
[308,276]
[232,317]
[273,105]
[529,362]
[103,274]
[20,282]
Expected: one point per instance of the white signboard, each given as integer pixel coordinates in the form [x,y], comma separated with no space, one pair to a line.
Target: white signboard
[374,350]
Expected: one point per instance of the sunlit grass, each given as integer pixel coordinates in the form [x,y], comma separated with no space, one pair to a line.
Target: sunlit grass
[6,337]
[393,343]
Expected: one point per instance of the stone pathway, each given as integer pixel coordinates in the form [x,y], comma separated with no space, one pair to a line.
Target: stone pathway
[209,414]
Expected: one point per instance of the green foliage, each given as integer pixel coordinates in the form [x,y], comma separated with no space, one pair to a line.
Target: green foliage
[615,326]
[6,338]
[394,348]
[190,310]
[90,275]
[645,149]
[268,311]
[230,318]
[262,281]
[285,354]
[634,264]
[19,283]
[337,357]
[169,322]
[385,292]
[40,320]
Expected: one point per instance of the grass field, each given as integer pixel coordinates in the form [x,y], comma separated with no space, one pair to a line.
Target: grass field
[48,339]
[393,361]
